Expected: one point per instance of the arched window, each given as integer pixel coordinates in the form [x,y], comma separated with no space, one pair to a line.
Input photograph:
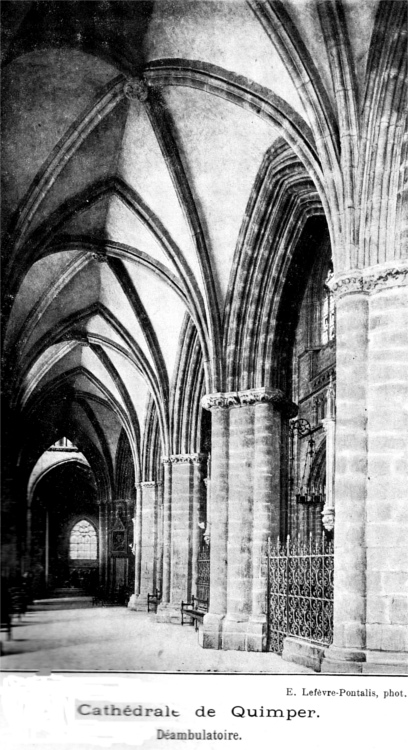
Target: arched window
[83,542]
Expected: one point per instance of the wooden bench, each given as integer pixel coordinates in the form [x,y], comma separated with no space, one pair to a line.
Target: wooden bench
[196,609]
[153,600]
[12,603]
[18,600]
[6,625]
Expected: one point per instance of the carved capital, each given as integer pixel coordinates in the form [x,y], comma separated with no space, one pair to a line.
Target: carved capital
[249,398]
[220,400]
[386,278]
[350,283]
[136,88]
[269,396]
[166,460]
[146,485]
[259,396]
[188,458]
[370,280]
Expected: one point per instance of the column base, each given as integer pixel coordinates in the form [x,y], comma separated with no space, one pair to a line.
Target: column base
[343,660]
[234,634]
[348,661]
[229,634]
[210,633]
[257,632]
[169,613]
[382,662]
[302,652]
[138,603]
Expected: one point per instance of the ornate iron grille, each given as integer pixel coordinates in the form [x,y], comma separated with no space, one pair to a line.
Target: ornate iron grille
[300,592]
[203,577]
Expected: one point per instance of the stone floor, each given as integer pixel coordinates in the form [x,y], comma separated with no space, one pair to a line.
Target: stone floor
[117,639]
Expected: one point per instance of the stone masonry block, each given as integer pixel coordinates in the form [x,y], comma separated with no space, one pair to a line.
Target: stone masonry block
[352,464]
[346,578]
[385,442]
[354,634]
[394,638]
[388,369]
[374,636]
[394,582]
[378,610]
[385,535]
[396,353]
[351,606]
[379,510]
[374,582]
[351,535]
[399,610]
[391,336]
[389,305]
[390,392]
[394,558]
[347,557]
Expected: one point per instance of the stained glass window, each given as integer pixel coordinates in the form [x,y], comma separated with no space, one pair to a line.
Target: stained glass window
[83,542]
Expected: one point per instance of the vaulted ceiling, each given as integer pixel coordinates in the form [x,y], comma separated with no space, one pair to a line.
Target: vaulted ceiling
[133,135]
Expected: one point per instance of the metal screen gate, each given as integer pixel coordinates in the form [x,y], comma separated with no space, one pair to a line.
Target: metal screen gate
[300,592]
[203,573]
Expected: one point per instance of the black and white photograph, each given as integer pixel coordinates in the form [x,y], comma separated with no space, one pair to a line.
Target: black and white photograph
[204,369]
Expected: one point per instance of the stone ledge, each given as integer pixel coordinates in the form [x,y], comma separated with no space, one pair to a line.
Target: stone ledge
[234,634]
[257,632]
[341,661]
[302,652]
[387,657]
[210,634]
[138,603]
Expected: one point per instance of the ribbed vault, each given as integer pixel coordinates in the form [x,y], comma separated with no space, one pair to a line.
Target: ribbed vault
[165,164]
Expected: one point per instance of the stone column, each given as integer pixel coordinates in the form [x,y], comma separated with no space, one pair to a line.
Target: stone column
[103,543]
[166,532]
[47,547]
[371,570]
[181,533]
[207,529]
[245,511]
[329,426]
[148,544]
[197,532]
[138,537]
[182,500]
[387,476]
[266,513]
[211,632]
[349,635]
[137,546]
[159,556]
[28,540]
[240,508]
